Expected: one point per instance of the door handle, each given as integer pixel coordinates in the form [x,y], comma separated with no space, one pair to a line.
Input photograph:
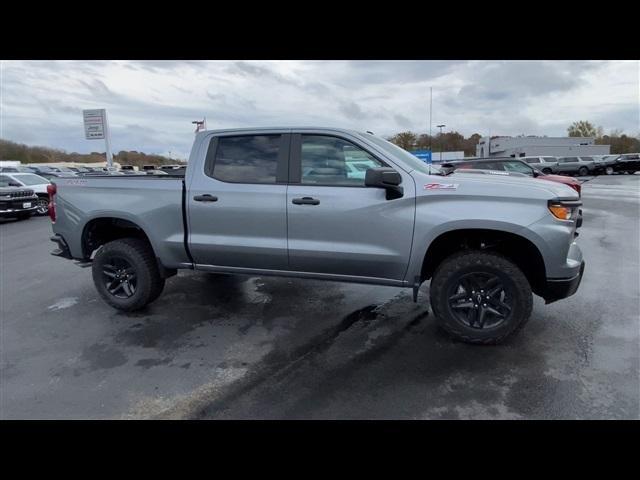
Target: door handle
[305,201]
[205,198]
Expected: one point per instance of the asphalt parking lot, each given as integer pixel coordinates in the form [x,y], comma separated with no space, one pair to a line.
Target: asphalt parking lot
[217,346]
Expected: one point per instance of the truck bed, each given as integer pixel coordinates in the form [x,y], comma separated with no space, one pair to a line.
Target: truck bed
[153,203]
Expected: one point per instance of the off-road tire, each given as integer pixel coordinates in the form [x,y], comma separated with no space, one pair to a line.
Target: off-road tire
[139,254]
[452,268]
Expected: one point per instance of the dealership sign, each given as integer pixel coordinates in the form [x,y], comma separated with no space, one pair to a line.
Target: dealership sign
[94,123]
[424,155]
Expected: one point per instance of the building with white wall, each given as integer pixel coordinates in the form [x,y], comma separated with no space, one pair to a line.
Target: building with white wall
[539,146]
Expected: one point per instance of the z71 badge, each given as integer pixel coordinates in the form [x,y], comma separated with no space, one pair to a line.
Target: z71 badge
[440,186]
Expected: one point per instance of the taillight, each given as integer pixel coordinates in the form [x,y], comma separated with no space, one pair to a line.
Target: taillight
[51,190]
[577,187]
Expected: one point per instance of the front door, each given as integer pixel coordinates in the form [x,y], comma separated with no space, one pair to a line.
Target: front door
[237,204]
[336,225]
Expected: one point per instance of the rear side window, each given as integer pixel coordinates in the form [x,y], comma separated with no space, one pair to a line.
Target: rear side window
[532,160]
[247,159]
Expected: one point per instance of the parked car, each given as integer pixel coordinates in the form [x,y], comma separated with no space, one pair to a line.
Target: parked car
[50,175]
[581,166]
[34,182]
[77,169]
[516,165]
[625,163]
[541,161]
[16,201]
[245,206]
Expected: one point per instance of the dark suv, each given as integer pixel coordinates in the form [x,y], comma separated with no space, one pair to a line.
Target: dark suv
[16,202]
[625,163]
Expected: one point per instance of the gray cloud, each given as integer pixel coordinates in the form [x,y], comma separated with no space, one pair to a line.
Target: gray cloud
[151,103]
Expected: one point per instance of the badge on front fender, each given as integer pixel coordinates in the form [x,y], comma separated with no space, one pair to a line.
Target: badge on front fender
[440,186]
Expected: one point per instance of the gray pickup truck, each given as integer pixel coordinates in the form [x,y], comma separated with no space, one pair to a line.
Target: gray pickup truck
[285,201]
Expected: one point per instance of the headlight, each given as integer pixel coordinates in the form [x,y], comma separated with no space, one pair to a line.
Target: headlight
[564,210]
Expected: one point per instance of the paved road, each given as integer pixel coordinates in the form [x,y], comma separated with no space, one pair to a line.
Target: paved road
[242,347]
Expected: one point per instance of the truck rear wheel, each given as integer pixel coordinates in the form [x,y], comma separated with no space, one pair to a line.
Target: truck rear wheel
[480,297]
[126,274]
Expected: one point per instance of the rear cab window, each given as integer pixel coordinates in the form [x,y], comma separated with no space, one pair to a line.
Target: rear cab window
[257,159]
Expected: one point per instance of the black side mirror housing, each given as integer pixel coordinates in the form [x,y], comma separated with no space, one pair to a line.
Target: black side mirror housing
[387,178]
[14,184]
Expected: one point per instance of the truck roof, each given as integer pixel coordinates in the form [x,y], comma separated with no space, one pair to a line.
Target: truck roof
[282,128]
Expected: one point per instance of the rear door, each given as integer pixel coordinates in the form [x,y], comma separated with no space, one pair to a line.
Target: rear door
[237,203]
[336,225]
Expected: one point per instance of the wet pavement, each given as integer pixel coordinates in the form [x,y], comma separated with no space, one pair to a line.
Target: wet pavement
[218,346]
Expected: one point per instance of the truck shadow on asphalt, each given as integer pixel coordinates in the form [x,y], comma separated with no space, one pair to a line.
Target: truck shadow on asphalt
[388,354]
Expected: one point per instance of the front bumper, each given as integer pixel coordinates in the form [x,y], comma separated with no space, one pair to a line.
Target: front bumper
[14,212]
[557,289]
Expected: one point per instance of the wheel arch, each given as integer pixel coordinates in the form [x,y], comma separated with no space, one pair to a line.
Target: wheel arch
[510,243]
[103,229]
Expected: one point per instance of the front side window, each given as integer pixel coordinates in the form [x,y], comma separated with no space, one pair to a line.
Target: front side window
[334,161]
[4,181]
[518,167]
[247,159]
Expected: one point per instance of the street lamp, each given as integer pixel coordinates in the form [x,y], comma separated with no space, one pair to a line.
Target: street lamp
[441,127]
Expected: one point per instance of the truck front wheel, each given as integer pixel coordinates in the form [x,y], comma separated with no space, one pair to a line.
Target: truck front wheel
[126,274]
[480,297]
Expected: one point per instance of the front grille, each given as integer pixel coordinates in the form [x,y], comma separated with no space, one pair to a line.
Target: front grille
[21,194]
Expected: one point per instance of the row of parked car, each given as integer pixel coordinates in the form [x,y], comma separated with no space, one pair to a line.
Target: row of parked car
[583,166]
[23,188]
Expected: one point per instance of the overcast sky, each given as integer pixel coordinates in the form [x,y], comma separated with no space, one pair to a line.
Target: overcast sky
[151,104]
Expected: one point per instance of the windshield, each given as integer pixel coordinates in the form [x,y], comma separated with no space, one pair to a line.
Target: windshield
[31,179]
[411,160]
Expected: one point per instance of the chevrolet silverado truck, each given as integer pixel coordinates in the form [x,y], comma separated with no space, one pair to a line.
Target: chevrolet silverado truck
[283,201]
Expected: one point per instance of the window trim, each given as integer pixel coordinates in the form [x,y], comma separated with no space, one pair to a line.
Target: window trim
[281,162]
[295,162]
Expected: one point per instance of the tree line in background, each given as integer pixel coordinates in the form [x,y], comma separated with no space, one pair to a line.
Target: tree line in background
[619,141]
[455,142]
[17,151]
[447,142]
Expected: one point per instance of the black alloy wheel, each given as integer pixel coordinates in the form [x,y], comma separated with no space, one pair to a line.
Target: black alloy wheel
[119,277]
[480,300]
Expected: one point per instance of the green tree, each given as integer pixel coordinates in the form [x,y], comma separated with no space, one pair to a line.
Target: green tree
[406,140]
[584,128]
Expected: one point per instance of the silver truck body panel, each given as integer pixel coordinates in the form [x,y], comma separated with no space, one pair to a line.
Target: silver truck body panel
[354,234]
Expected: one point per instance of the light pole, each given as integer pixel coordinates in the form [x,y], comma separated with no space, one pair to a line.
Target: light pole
[441,127]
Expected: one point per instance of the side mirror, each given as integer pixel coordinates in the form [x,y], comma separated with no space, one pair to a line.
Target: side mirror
[386,178]
[14,184]
[536,173]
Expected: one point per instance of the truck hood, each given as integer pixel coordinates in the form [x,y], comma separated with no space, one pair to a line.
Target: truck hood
[491,185]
